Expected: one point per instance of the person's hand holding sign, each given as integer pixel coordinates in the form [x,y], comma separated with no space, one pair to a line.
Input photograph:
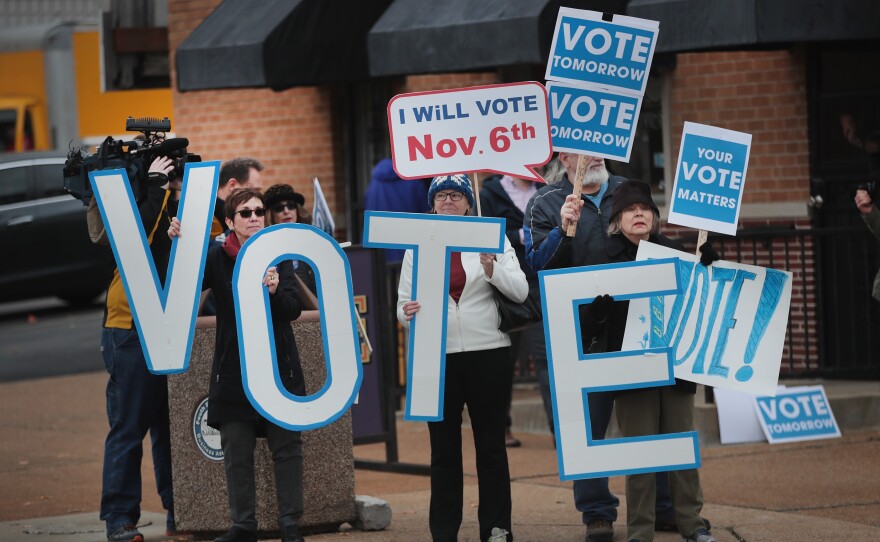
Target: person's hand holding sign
[410,308]
[864,201]
[571,211]
[271,280]
[488,263]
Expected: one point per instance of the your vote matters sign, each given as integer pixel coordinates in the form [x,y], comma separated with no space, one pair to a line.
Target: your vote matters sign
[709,179]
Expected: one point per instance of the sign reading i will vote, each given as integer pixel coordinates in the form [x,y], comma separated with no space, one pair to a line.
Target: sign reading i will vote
[709,179]
[796,414]
[504,129]
[727,327]
[592,121]
[613,55]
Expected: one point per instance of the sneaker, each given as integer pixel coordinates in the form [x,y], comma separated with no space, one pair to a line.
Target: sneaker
[702,535]
[600,530]
[498,535]
[126,532]
[237,534]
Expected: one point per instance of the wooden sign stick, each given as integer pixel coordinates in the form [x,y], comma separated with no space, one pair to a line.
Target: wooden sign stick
[701,240]
[578,183]
[477,192]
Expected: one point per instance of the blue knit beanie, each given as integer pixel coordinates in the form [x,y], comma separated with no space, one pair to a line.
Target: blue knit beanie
[457,182]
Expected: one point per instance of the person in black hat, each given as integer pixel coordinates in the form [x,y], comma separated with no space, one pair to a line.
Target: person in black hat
[547,217]
[647,411]
[287,206]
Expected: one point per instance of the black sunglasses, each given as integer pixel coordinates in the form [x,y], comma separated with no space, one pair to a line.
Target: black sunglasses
[246,213]
[279,208]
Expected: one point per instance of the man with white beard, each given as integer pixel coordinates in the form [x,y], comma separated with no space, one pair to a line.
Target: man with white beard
[548,215]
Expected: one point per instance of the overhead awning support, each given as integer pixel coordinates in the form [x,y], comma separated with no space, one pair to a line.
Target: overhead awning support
[693,25]
[419,36]
[278,44]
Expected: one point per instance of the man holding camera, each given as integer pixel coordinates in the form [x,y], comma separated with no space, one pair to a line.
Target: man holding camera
[137,400]
[871,216]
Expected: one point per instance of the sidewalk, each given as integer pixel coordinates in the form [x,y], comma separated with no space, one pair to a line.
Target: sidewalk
[52,432]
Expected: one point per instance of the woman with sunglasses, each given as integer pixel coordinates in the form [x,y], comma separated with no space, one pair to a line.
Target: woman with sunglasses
[286,206]
[476,374]
[229,410]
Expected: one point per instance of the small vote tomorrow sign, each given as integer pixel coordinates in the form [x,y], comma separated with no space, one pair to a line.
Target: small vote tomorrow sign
[796,414]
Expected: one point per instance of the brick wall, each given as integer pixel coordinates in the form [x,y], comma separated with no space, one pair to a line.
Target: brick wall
[758,92]
[291,132]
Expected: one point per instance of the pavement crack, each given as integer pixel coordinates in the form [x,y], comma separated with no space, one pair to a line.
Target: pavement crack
[736,535]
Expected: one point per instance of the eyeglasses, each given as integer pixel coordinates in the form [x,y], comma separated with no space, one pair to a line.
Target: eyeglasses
[454,196]
[246,213]
[284,205]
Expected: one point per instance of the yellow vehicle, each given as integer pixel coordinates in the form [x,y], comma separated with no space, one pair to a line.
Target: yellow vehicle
[23,124]
[53,92]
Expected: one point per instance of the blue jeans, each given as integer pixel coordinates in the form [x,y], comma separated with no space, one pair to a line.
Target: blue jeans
[592,497]
[137,403]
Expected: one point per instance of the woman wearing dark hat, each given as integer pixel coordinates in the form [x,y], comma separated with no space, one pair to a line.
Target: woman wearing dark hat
[646,411]
[476,374]
[287,206]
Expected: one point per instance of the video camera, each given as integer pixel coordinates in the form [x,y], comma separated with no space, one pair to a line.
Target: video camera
[134,156]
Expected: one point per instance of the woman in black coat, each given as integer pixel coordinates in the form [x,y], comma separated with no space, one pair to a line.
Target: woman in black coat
[646,411]
[229,409]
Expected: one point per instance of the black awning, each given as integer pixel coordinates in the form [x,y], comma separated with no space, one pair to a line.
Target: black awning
[690,25]
[422,36]
[278,44]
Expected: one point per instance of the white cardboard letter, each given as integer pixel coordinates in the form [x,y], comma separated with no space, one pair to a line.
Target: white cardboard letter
[574,373]
[165,318]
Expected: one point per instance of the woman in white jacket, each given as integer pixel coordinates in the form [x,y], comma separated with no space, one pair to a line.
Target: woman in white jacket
[476,374]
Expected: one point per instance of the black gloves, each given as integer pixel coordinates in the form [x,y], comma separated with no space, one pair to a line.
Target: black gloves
[708,254]
[600,308]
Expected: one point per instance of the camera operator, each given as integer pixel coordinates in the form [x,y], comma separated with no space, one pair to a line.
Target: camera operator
[871,216]
[137,400]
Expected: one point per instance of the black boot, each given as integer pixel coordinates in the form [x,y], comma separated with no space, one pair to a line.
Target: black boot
[291,534]
[237,534]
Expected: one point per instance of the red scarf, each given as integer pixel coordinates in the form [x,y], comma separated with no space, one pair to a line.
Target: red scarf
[231,246]
[457,276]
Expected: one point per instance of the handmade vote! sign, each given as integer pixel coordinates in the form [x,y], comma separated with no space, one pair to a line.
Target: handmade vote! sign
[725,329]
[499,128]
[612,54]
[797,414]
[709,179]
[574,373]
[592,121]
[165,317]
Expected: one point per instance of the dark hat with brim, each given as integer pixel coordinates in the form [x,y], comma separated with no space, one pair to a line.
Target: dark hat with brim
[282,192]
[631,192]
